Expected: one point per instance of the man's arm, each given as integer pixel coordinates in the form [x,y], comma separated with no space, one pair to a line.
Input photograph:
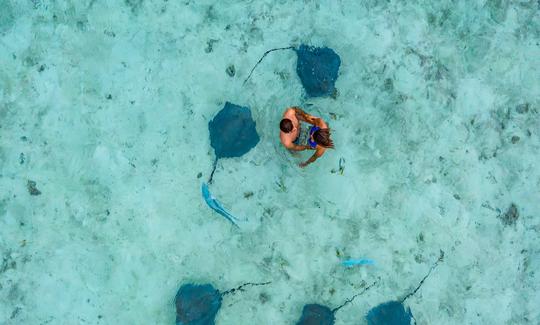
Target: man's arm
[295,147]
[300,114]
[311,159]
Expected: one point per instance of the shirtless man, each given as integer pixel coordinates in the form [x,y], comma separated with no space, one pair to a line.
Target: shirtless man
[301,131]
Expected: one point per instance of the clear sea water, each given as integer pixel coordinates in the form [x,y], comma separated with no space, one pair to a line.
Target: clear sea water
[104,145]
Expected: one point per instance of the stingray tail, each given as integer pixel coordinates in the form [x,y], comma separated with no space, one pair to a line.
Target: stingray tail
[348,301]
[241,288]
[433,267]
[266,53]
[213,170]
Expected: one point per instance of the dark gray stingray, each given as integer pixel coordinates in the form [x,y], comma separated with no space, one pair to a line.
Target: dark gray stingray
[389,313]
[393,312]
[315,314]
[318,69]
[198,304]
[232,133]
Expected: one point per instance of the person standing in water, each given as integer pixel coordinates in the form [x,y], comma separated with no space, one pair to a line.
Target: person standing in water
[301,131]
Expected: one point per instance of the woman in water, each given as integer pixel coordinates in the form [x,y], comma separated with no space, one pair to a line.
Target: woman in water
[301,131]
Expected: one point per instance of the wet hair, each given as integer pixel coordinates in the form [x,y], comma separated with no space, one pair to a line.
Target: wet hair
[286,125]
[322,137]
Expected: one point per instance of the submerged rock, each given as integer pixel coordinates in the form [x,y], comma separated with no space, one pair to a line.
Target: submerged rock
[510,216]
[389,313]
[522,108]
[314,314]
[197,304]
[210,45]
[134,5]
[515,139]
[318,70]
[32,189]
[231,71]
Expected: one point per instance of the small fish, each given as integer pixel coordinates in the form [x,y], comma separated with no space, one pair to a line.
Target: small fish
[341,165]
[363,261]
[214,204]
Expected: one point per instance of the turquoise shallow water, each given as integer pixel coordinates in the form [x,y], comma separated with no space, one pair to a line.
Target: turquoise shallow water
[104,111]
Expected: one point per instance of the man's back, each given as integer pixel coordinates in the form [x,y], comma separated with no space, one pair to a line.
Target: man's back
[287,138]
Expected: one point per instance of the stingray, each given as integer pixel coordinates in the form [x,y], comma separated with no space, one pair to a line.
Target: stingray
[394,312]
[198,304]
[317,68]
[315,314]
[389,313]
[232,133]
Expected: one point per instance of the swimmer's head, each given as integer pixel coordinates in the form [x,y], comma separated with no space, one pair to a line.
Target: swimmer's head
[322,138]
[286,125]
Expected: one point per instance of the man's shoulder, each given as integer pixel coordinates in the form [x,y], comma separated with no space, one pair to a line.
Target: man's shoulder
[285,141]
[289,110]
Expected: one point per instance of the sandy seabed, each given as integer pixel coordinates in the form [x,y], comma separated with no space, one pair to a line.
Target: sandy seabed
[104,111]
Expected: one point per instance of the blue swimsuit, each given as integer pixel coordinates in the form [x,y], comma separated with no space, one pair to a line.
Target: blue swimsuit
[304,135]
[312,130]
